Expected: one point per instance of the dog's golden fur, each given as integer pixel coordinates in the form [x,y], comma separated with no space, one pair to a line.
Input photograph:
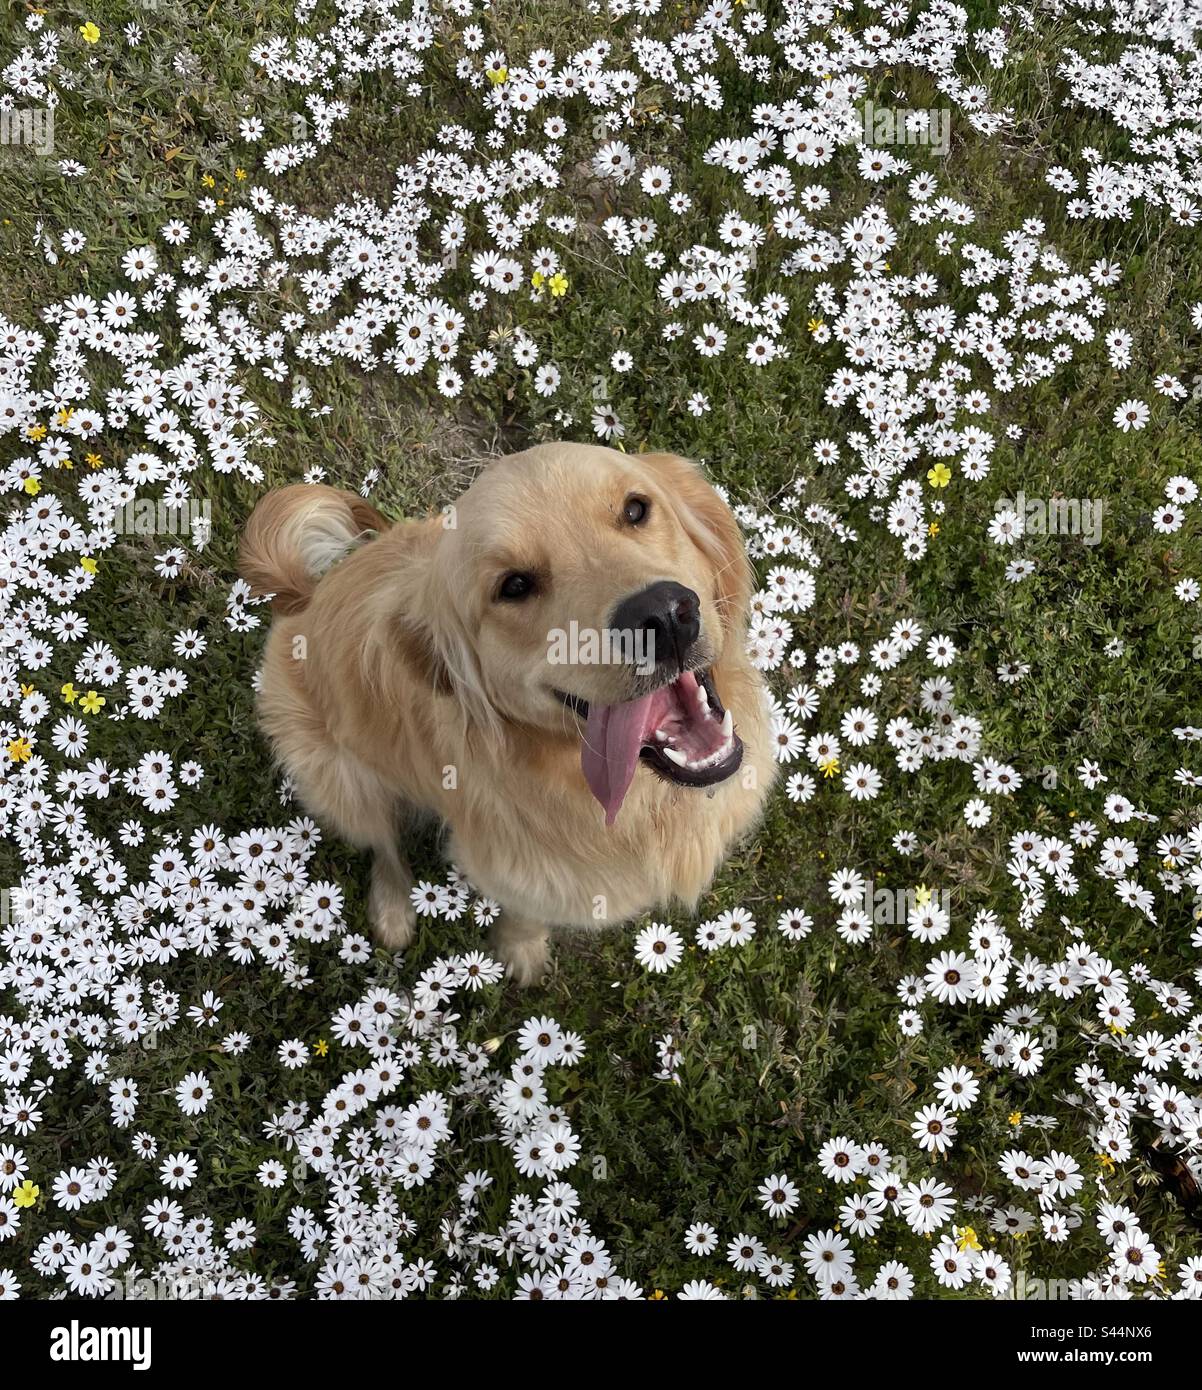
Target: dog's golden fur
[395,681]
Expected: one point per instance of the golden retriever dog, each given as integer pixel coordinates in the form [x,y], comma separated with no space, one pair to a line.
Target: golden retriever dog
[555,667]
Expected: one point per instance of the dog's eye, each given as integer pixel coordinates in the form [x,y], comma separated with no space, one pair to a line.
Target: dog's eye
[516,586]
[636,509]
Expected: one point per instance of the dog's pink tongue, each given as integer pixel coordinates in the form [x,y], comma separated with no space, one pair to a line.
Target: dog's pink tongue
[610,752]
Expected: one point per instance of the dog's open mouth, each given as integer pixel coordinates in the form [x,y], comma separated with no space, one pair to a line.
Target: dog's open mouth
[680,729]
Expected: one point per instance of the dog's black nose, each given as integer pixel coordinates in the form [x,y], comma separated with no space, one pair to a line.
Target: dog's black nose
[665,619]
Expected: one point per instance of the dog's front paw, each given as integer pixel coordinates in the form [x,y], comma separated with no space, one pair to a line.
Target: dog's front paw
[525,955]
[393,919]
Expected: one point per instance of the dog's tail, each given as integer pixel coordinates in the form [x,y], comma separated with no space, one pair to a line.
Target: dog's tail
[295,534]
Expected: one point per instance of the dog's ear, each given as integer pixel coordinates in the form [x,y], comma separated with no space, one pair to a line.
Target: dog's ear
[428,635]
[415,645]
[711,526]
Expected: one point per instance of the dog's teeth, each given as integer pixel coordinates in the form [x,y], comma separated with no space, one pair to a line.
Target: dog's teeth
[678,758]
[661,735]
[728,725]
[702,698]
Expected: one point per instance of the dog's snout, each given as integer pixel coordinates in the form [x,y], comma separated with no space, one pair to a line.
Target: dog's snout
[666,617]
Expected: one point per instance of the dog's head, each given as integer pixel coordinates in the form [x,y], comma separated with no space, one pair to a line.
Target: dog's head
[590,594]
